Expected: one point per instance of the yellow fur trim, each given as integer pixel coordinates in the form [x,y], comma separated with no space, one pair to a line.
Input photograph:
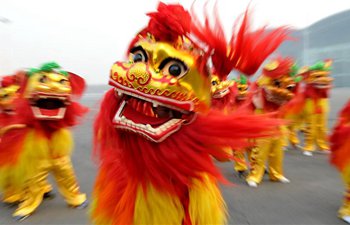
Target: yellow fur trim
[310,105]
[36,147]
[206,203]
[61,143]
[150,208]
[100,219]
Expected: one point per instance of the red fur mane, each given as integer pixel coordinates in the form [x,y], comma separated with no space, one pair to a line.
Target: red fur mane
[146,161]
[246,50]
[340,139]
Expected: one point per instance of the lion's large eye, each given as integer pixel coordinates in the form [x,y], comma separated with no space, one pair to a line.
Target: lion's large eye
[173,67]
[291,87]
[277,83]
[138,54]
[43,79]
[4,96]
[214,82]
[63,81]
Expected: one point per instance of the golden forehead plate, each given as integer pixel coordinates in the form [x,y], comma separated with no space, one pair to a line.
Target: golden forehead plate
[51,85]
[271,65]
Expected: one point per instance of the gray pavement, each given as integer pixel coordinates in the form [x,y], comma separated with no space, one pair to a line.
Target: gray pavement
[312,197]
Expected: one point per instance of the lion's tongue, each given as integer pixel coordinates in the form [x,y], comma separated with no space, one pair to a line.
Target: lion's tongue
[49,112]
[137,114]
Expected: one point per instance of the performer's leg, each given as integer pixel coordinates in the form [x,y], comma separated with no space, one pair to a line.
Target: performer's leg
[67,183]
[35,189]
[258,158]
[275,160]
[321,138]
[240,162]
[293,135]
[12,195]
[310,127]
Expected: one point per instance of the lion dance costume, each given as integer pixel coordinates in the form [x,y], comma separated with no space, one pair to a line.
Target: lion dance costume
[38,142]
[228,96]
[9,87]
[340,156]
[318,83]
[155,133]
[274,88]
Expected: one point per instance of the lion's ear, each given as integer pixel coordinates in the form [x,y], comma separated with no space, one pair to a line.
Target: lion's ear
[78,84]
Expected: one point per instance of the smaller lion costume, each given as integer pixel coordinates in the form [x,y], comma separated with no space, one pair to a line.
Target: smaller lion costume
[9,87]
[315,111]
[229,96]
[38,141]
[274,89]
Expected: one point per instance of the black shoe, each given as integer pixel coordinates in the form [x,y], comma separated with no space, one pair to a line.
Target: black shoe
[81,206]
[49,195]
[10,205]
[242,174]
[21,218]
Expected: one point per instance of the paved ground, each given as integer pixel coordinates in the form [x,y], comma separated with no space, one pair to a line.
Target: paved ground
[312,197]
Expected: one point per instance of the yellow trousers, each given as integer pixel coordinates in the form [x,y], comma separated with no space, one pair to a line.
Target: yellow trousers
[62,170]
[293,134]
[345,208]
[267,150]
[316,125]
[242,164]
[13,194]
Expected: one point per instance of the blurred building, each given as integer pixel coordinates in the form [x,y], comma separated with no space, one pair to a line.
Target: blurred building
[326,39]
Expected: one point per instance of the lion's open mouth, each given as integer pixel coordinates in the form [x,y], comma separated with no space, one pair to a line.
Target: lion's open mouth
[320,85]
[8,111]
[241,97]
[278,96]
[152,119]
[221,93]
[49,107]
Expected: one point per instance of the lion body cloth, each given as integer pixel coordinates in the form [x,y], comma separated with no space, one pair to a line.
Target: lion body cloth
[155,133]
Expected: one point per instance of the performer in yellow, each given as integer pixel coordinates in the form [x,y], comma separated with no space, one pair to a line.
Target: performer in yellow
[318,83]
[9,87]
[38,142]
[228,96]
[340,156]
[274,88]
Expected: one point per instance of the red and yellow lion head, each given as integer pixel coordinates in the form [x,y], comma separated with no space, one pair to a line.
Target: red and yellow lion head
[49,91]
[166,82]
[9,87]
[279,80]
[318,75]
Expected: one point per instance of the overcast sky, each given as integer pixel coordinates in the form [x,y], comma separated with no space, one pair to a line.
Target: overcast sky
[87,37]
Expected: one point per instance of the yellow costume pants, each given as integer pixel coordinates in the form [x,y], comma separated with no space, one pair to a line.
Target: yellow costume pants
[13,194]
[316,125]
[345,208]
[63,173]
[293,134]
[239,164]
[270,150]
[242,164]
